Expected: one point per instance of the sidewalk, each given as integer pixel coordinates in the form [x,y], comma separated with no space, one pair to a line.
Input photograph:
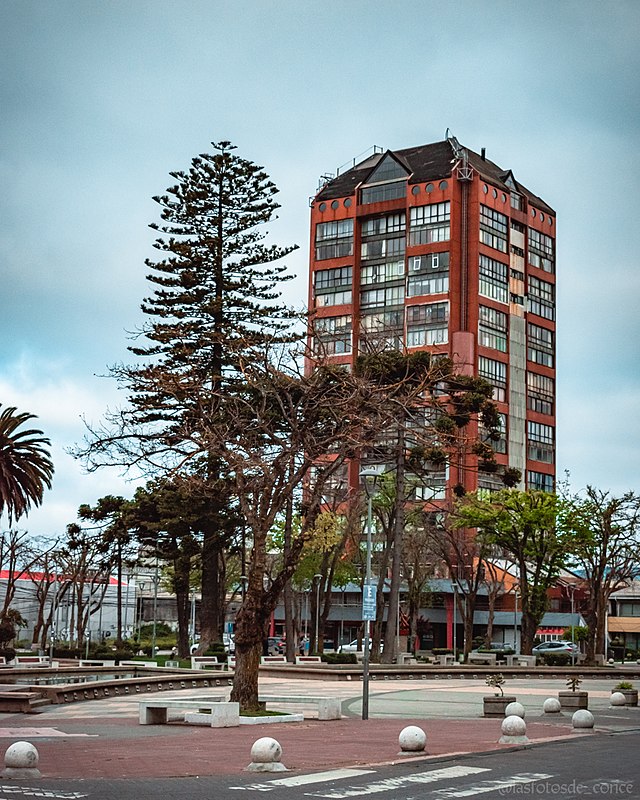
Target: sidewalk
[103,739]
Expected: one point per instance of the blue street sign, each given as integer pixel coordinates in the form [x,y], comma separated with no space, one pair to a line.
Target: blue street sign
[369,601]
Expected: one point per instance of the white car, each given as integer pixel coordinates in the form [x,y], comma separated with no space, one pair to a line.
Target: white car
[227,640]
[352,647]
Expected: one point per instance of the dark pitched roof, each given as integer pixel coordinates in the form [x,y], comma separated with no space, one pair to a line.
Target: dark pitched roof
[427,162]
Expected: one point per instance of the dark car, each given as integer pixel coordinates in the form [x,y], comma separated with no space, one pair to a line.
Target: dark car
[497,647]
[276,646]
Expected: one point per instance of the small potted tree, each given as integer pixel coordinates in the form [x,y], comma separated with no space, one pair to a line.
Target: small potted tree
[631,694]
[495,704]
[573,699]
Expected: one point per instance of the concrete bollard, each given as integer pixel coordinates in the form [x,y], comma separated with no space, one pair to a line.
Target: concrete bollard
[551,705]
[582,721]
[514,730]
[514,709]
[618,699]
[21,761]
[265,756]
[412,740]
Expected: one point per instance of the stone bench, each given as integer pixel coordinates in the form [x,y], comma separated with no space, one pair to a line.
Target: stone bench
[84,662]
[406,658]
[31,661]
[223,714]
[328,707]
[206,662]
[19,702]
[521,661]
[273,660]
[482,658]
[138,663]
[446,660]
[308,660]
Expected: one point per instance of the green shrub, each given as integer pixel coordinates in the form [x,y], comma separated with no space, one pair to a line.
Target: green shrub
[67,652]
[557,659]
[339,658]
[162,630]
[104,651]
[442,651]
[9,653]
[217,649]
[507,651]
[623,685]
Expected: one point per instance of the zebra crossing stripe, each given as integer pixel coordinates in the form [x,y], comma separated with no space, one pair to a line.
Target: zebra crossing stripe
[493,786]
[319,777]
[305,780]
[391,784]
[27,791]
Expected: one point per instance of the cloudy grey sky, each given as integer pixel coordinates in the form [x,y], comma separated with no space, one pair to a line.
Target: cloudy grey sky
[100,100]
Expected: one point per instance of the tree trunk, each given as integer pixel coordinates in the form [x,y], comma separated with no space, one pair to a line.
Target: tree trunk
[390,652]
[181,577]
[376,628]
[468,626]
[210,600]
[490,619]
[287,595]
[529,626]
[245,680]
[250,632]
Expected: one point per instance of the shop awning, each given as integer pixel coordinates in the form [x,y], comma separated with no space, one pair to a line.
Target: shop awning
[624,625]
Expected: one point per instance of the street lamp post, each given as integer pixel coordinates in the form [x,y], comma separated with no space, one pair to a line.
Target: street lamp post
[455,622]
[193,618]
[515,622]
[365,474]
[155,606]
[317,578]
[572,590]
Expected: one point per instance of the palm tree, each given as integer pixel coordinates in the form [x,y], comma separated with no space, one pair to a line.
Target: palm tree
[25,464]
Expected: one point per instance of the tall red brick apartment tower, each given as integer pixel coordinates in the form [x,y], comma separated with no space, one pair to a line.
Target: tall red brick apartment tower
[436,247]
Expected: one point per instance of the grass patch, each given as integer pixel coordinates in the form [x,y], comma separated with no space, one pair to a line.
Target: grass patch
[262,712]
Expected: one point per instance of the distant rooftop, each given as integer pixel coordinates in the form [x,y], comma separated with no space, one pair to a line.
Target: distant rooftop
[427,162]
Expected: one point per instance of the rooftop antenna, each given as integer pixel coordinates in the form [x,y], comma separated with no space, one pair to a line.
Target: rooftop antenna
[464,172]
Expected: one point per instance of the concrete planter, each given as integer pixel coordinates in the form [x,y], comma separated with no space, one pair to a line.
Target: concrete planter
[631,696]
[494,706]
[572,701]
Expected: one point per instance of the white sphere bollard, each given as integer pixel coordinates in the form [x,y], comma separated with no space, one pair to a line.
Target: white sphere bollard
[412,740]
[551,705]
[514,710]
[582,720]
[21,761]
[514,730]
[265,756]
[618,699]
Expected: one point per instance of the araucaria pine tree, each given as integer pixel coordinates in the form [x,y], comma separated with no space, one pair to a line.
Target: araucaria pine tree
[215,297]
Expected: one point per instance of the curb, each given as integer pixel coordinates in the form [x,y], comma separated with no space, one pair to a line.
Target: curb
[467,754]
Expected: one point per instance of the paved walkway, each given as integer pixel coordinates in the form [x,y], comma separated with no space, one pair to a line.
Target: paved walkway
[102,739]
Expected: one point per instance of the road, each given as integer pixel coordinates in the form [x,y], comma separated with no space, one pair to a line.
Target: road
[589,766]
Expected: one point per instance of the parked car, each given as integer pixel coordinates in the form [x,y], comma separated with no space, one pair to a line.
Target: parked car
[496,647]
[276,646]
[227,640]
[556,646]
[352,647]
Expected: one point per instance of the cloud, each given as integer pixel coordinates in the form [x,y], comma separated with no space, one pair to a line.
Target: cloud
[60,402]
